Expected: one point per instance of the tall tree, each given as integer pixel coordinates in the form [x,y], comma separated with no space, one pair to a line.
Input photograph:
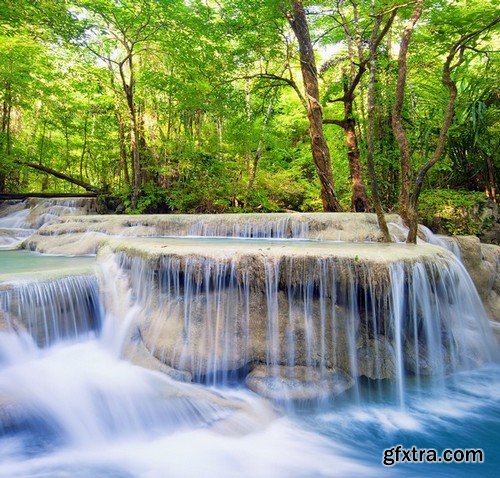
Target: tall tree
[397,119]
[450,64]
[359,41]
[126,28]
[296,17]
[375,39]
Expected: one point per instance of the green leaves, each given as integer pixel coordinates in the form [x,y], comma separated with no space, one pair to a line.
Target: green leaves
[206,109]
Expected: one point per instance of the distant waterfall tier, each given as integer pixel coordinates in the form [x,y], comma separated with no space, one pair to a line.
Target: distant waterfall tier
[302,311]
[51,310]
[84,234]
[32,213]
[20,218]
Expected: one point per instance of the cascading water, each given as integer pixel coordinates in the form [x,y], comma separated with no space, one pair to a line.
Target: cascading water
[62,405]
[278,229]
[19,219]
[430,238]
[218,318]
[13,225]
[374,345]
[54,310]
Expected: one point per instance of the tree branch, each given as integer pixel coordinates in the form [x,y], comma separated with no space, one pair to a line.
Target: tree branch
[341,123]
[271,76]
[447,81]
[64,177]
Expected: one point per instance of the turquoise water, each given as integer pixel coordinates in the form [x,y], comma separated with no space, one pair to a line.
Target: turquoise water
[20,263]
[464,412]
[76,409]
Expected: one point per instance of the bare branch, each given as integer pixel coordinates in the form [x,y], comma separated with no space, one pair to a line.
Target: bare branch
[391,9]
[271,76]
[340,123]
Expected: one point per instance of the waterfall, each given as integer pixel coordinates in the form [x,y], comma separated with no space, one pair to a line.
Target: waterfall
[279,228]
[219,318]
[15,220]
[356,346]
[20,219]
[32,213]
[63,384]
[53,310]
[450,244]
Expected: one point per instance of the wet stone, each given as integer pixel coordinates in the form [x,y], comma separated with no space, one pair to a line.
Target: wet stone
[281,383]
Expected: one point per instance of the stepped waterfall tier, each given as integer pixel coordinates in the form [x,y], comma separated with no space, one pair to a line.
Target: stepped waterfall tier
[255,346]
[20,219]
[215,309]
[54,310]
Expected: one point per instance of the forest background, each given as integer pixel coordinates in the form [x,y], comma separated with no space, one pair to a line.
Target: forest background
[262,105]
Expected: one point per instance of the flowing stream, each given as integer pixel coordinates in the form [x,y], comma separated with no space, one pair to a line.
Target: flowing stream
[74,402]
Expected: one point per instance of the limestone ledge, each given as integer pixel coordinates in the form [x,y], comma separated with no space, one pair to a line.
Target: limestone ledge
[297,383]
[482,262]
[153,249]
[82,234]
[296,259]
[9,280]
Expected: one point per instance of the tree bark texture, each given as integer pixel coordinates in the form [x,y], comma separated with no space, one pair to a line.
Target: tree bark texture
[128,89]
[319,148]
[370,133]
[397,121]
[352,81]
[359,200]
[121,127]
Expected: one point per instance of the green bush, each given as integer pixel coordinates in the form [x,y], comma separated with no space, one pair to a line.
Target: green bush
[454,211]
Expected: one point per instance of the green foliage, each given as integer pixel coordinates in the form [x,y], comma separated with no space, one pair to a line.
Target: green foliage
[201,80]
[454,212]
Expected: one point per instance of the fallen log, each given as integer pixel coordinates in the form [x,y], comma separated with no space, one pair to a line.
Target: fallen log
[64,177]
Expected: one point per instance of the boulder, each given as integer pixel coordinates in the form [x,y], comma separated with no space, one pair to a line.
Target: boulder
[281,383]
[482,261]
[376,358]
[136,353]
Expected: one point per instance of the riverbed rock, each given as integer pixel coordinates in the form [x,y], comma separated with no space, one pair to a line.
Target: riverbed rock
[376,358]
[482,261]
[280,383]
[10,323]
[13,416]
[139,355]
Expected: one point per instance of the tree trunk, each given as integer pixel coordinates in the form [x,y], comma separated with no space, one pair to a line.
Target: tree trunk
[2,182]
[448,82]
[490,182]
[397,122]
[5,133]
[351,82]
[84,145]
[123,148]
[359,201]
[134,149]
[319,147]
[370,134]
[258,151]
[128,89]
[121,127]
